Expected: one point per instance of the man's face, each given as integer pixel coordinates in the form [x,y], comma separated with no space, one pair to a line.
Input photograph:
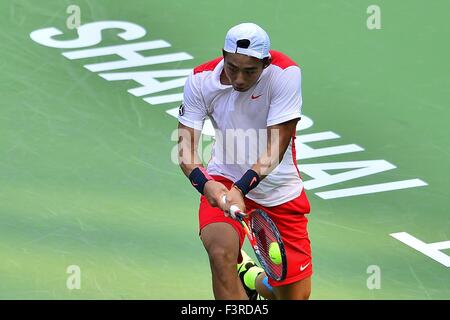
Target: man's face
[242,71]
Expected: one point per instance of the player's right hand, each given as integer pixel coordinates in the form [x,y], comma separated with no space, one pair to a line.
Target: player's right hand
[213,192]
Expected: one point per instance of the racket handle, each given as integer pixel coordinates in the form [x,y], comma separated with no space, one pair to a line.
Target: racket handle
[234,209]
[246,229]
[236,214]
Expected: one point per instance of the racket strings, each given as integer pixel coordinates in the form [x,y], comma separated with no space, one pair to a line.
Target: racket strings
[264,236]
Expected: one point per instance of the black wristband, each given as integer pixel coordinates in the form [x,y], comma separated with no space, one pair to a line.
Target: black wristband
[199,177]
[248,181]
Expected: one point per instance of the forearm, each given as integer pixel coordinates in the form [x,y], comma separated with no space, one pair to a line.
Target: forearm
[188,157]
[187,166]
[189,160]
[278,140]
[269,160]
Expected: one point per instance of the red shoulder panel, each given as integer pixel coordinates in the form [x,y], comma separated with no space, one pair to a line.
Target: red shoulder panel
[281,60]
[208,66]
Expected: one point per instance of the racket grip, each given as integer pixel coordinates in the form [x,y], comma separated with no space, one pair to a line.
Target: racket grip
[236,214]
[234,209]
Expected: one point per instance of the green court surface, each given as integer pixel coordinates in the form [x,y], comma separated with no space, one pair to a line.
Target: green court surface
[86,177]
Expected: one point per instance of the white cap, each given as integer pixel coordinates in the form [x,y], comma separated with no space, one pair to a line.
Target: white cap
[249,39]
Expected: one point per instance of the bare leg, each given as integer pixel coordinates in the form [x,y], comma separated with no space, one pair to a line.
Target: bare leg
[299,290]
[262,289]
[221,241]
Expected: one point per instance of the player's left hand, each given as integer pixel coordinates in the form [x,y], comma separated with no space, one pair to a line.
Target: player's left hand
[234,197]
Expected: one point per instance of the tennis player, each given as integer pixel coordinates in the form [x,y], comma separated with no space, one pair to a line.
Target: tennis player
[253,97]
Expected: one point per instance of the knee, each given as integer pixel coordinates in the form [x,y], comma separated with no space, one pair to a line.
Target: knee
[300,290]
[304,295]
[221,257]
[299,295]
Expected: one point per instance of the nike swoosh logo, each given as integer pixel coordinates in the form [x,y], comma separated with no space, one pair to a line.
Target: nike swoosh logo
[256,97]
[305,266]
[253,181]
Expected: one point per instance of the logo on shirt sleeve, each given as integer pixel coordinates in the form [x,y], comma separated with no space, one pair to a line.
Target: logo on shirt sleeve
[181,110]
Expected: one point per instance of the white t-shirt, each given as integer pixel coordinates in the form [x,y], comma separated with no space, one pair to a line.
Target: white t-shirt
[240,120]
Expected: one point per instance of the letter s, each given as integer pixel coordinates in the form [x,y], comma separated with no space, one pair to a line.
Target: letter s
[89,34]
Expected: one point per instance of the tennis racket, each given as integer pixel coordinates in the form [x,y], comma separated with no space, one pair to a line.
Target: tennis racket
[265,240]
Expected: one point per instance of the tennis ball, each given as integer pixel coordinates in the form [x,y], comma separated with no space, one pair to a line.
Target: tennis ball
[274,253]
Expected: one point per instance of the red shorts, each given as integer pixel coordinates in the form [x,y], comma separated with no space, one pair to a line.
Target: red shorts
[291,222]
